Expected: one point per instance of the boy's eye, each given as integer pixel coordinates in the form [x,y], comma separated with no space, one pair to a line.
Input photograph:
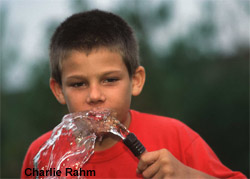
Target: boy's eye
[79,84]
[110,80]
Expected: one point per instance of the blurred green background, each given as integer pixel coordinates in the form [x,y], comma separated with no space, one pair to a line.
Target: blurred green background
[196,55]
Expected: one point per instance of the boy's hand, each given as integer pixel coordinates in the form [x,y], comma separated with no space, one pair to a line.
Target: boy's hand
[162,164]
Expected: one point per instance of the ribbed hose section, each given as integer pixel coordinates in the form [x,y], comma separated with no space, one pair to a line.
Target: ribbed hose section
[134,144]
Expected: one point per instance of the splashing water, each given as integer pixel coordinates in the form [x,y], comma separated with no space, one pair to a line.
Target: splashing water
[72,141]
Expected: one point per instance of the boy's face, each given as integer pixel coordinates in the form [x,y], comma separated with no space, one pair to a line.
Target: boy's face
[97,80]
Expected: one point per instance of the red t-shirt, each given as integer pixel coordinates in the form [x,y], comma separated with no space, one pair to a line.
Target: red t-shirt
[154,132]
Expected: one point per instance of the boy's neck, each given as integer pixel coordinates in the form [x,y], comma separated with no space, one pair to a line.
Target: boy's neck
[110,140]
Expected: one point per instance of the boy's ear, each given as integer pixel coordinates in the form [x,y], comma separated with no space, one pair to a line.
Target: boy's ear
[57,90]
[138,81]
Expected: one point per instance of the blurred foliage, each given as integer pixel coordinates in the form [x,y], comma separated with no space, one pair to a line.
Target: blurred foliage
[207,90]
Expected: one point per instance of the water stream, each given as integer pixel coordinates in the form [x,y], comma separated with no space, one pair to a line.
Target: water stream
[72,141]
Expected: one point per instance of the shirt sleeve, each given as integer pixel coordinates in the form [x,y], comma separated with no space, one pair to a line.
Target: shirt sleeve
[28,162]
[201,157]
[28,165]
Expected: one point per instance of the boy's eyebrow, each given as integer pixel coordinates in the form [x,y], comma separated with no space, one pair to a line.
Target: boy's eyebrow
[111,72]
[102,74]
[80,77]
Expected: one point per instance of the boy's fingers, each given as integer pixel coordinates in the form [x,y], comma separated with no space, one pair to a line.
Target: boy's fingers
[147,159]
[158,175]
[151,170]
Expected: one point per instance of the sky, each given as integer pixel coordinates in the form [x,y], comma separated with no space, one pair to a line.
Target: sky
[27,21]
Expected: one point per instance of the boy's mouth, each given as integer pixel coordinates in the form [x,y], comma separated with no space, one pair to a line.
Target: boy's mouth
[100,122]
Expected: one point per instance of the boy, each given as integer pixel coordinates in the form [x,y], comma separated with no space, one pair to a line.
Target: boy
[95,64]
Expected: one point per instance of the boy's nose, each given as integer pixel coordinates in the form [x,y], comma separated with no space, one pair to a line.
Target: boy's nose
[95,95]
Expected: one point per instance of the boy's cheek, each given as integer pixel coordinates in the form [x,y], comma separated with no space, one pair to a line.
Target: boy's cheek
[74,106]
